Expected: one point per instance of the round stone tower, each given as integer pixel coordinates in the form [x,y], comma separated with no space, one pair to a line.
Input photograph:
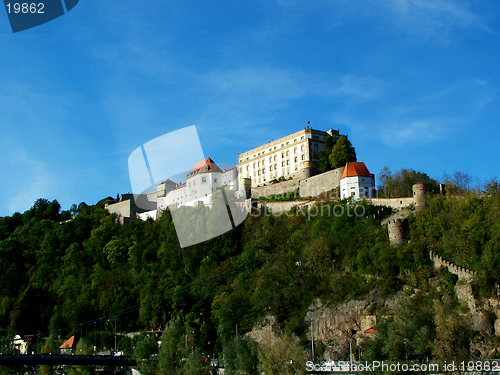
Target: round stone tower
[307,169]
[397,232]
[420,190]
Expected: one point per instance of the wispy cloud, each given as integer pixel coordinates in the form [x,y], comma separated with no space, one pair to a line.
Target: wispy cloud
[420,118]
[423,18]
[25,179]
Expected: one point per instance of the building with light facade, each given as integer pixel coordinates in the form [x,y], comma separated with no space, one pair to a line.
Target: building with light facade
[293,156]
[204,179]
[357,182]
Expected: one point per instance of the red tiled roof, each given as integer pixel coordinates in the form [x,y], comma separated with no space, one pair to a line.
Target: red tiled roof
[207,165]
[355,169]
[68,344]
[371,330]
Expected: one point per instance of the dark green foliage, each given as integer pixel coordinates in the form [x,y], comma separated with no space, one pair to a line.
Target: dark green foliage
[57,274]
[401,182]
[342,153]
[285,197]
[241,356]
[336,153]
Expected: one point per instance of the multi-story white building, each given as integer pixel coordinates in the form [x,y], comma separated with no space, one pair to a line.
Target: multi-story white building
[357,182]
[205,178]
[285,157]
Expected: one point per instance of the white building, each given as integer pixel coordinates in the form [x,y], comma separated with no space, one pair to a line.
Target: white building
[205,178]
[357,182]
[284,157]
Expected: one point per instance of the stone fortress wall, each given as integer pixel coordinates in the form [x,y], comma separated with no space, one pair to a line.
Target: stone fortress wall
[461,272]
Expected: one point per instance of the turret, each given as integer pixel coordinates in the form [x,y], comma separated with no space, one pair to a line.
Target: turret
[420,190]
[397,232]
[307,169]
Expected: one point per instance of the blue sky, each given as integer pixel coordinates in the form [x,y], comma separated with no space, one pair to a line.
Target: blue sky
[413,83]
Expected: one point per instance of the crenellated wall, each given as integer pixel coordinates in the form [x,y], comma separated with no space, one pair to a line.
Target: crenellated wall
[461,272]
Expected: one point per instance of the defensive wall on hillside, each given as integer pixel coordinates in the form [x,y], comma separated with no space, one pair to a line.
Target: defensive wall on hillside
[461,272]
[320,184]
[392,202]
[276,189]
[308,187]
[279,208]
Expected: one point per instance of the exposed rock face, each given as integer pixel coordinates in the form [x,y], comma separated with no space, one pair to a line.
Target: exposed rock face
[267,332]
[338,326]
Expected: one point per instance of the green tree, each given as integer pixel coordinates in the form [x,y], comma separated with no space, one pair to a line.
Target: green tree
[324,155]
[400,184]
[171,351]
[342,153]
[145,353]
[452,332]
[492,186]
[241,356]
[83,347]
[285,357]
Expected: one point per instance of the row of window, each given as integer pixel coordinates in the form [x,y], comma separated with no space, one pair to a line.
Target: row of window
[263,162]
[272,149]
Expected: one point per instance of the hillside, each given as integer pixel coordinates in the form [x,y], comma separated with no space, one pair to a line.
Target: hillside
[58,273]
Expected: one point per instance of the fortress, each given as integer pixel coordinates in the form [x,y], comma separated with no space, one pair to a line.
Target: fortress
[293,160]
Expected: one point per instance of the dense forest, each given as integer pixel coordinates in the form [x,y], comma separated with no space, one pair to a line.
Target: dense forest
[61,269]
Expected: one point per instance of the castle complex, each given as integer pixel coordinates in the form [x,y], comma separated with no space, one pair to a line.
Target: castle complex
[293,158]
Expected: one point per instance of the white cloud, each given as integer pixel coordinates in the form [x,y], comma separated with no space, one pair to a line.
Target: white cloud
[25,179]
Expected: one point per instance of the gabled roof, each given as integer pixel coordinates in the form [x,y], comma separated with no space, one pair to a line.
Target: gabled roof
[353,169]
[207,165]
[68,344]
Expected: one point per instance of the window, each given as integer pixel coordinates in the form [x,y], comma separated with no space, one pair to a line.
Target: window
[275,167]
[296,169]
[253,165]
[302,137]
[263,171]
[194,182]
[247,167]
[259,172]
[274,157]
[295,140]
[203,180]
[258,164]
[295,150]
[282,155]
[270,168]
[302,148]
[303,157]
[263,162]
[288,162]
[190,184]
[287,143]
[283,164]
[215,180]
[296,159]
[288,153]
[270,160]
